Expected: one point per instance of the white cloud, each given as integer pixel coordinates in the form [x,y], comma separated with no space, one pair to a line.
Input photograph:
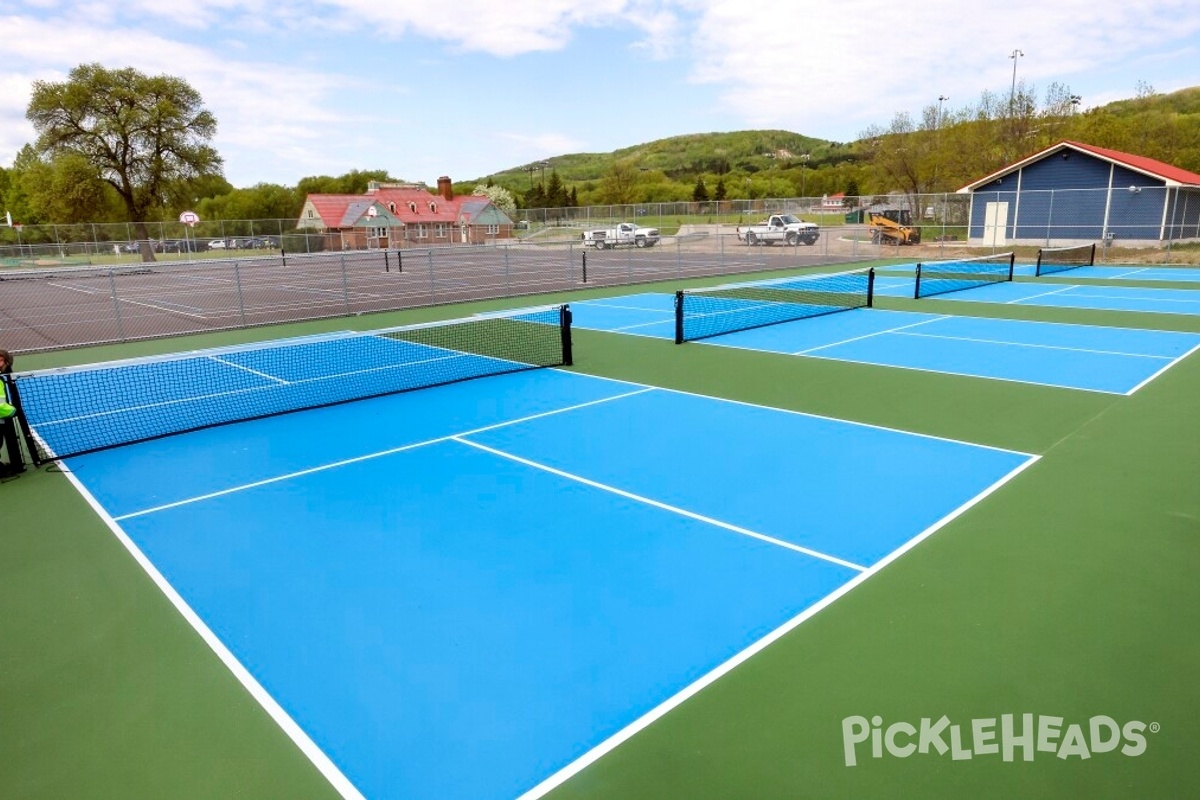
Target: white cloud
[828,65]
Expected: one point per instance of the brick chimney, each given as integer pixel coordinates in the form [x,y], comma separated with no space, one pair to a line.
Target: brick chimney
[444,188]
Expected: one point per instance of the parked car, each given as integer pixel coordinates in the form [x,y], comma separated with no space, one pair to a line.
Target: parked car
[177,246]
[217,244]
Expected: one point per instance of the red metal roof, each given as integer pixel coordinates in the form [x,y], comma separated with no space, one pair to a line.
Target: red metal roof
[1148,165]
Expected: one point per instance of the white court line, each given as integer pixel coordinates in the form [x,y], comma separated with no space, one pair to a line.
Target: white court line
[1042,294]
[260,374]
[930,370]
[664,506]
[1164,369]
[370,456]
[1123,274]
[288,725]
[250,389]
[595,304]
[1142,298]
[1027,344]
[661,710]
[870,335]
[80,289]
[855,423]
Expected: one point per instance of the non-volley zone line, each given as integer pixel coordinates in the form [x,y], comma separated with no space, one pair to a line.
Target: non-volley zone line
[473,616]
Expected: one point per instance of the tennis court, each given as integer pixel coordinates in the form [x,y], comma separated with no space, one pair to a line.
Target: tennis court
[1093,358]
[475,589]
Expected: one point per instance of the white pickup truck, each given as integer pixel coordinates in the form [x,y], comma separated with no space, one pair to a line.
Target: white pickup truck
[626,233]
[786,228]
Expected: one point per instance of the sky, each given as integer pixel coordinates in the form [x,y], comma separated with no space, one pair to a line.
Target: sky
[466,88]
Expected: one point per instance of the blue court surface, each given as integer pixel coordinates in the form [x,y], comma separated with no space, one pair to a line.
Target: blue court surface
[1094,358]
[1059,295]
[470,591]
[1113,272]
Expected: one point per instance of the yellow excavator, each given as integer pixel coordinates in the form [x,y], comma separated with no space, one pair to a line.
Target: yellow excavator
[893,226]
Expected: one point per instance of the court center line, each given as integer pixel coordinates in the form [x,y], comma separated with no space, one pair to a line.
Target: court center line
[251,371]
[671,703]
[664,506]
[869,335]
[1042,294]
[1123,274]
[1027,344]
[370,456]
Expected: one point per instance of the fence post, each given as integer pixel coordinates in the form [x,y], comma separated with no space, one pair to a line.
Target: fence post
[507,278]
[345,285]
[112,289]
[237,279]
[432,284]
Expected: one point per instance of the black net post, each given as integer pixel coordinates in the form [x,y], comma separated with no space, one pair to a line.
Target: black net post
[1012,261]
[584,266]
[871,288]
[917,285]
[1092,257]
[283,256]
[679,317]
[564,324]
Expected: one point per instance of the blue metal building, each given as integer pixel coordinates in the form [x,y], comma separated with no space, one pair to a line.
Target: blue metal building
[1073,192]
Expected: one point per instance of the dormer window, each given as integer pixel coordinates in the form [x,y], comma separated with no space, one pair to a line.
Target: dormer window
[412,207]
[392,207]
[433,206]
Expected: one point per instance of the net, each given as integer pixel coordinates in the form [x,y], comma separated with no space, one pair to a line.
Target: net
[701,313]
[940,277]
[1060,259]
[77,410]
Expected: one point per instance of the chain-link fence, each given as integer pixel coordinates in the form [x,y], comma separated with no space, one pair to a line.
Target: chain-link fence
[80,289]
[1150,217]
[67,306]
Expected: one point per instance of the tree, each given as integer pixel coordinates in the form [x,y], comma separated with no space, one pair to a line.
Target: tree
[140,133]
[501,198]
[619,186]
[699,191]
[556,192]
[720,192]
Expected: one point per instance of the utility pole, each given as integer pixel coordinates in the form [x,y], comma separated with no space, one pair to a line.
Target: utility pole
[1012,92]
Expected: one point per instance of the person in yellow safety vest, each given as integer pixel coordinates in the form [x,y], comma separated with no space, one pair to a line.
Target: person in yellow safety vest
[8,423]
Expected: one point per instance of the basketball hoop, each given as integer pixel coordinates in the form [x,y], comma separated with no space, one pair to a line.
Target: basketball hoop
[189,218]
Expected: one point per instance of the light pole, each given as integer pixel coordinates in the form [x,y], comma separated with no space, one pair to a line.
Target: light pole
[532,168]
[1012,92]
[804,175]
[543,165]
[941,99]
[1074,100]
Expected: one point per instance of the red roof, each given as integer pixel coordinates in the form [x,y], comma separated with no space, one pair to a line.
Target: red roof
[1148,166]
[413,205]
[1142,164]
